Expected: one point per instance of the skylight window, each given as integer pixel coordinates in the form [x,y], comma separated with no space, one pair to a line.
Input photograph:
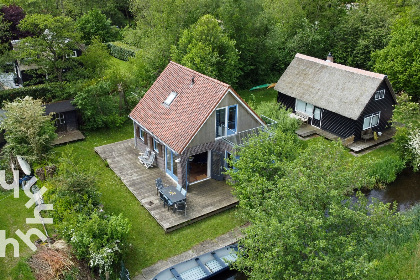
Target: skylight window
[170,98]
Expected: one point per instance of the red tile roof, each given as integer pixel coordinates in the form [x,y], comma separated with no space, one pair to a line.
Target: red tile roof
[175,125]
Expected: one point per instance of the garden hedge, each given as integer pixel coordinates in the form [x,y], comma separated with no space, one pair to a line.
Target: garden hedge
[121,51]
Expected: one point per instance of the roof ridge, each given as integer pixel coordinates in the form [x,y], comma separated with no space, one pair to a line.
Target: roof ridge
[342,67]
[200,74]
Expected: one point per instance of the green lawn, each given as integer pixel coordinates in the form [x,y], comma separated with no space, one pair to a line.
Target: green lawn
[255,97]
[149,243]
[13,217]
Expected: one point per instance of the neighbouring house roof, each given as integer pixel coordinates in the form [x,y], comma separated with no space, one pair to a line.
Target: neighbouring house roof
[193,97]
[7,81]
[59,107]
[341,89]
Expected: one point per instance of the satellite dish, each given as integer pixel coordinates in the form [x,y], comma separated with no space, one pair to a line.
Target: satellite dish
[24,165]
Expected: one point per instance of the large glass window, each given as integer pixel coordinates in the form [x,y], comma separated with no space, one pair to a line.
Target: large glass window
[232,120]
[371,120]
[171,164]
[221,122]
[227,115]
[303,107]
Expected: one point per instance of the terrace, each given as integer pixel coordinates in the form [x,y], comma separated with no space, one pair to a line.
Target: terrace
[204,198]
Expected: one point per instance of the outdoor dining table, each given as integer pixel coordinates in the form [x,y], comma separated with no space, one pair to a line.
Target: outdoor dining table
[172,194]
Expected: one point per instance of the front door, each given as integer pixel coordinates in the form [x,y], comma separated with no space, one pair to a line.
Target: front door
[316,120]
[217,163]
[171,165]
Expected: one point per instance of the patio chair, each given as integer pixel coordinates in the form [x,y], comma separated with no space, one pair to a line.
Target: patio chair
[166,201]
[184,193]
[178,187]
[159,185]
[180,206]
[149,161]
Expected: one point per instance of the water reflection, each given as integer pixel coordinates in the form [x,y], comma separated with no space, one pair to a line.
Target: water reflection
[405,190]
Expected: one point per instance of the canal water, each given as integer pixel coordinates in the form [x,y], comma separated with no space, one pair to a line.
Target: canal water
[405,190]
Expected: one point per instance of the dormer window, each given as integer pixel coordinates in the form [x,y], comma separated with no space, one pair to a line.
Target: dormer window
[170,98]
[379,94]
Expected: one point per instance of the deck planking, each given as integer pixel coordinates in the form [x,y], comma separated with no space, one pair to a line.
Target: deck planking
[306,131]
[204,198]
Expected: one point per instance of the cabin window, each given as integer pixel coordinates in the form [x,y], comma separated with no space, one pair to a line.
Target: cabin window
[226,120]
[371,120]
[141,134]
[59,118]
[155,146]
[73,54]
[379,94]
[303,107]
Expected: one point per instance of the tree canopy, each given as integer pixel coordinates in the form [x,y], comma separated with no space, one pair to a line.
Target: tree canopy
[29,131]
[302,222]
[205,48]
[95,24]
[53,42]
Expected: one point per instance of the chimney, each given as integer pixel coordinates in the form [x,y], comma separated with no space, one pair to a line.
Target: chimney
[330,58]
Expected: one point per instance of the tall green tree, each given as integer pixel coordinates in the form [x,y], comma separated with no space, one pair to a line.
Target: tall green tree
[205,48]
[303,224]
[29,132]
[54,40]
[95,24]
[243,21]
[406,120]
[400,59]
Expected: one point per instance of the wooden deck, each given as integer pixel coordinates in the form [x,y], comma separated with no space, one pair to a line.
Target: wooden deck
[368,145]
[68,136]
[307,131]
[204,199]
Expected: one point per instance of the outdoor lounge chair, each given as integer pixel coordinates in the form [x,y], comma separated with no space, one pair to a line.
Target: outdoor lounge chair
[145,155]
[148,162]
[180,206]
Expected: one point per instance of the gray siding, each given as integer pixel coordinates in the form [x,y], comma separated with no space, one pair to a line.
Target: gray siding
[207,132]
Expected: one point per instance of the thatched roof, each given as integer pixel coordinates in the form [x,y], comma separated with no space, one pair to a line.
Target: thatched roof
[341,89]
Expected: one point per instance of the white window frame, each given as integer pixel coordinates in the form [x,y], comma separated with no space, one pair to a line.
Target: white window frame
[155,145]
[60,118]
[170,98]
[226,109]
[370,117]
[380,94]
[307,106]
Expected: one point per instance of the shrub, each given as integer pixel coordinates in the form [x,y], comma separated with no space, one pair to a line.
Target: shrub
[99,105]
[98,238]
[121,51]
[386,170]
[46,92]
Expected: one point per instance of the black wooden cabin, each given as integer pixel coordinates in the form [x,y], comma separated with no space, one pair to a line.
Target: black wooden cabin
[342,100]
[64,114]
